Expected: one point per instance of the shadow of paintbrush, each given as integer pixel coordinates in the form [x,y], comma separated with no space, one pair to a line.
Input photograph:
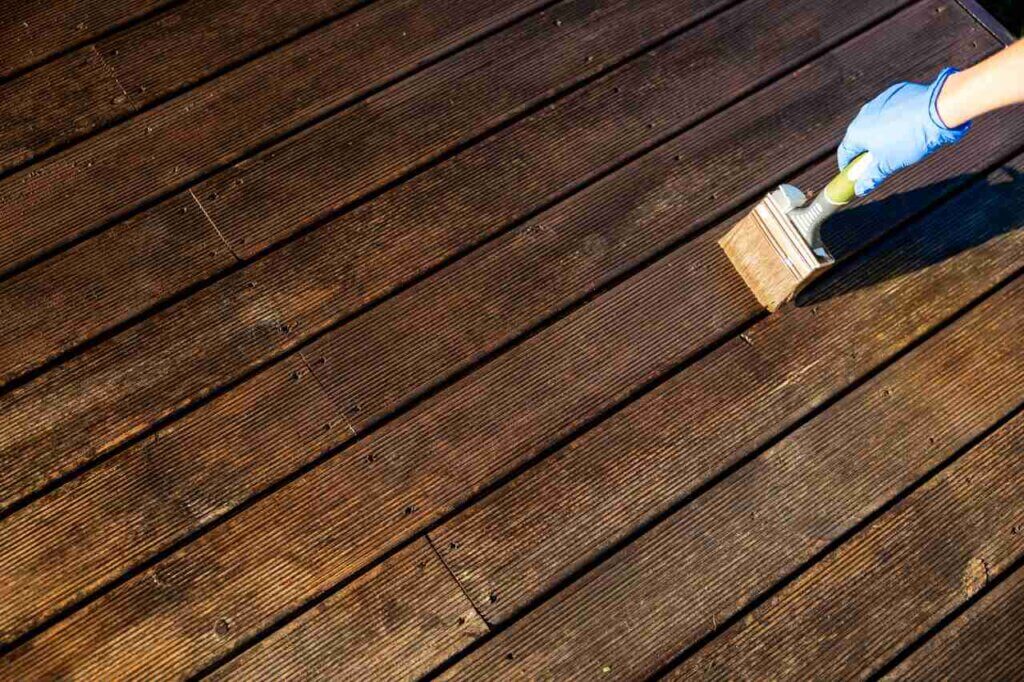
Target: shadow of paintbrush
[985,210]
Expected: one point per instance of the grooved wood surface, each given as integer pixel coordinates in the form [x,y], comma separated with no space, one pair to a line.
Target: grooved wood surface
[878,593]
[760,524]
[336,334]
[121,303]
[987,637]
[117,171]
[663,448]
[31,32]
[287,304]
[92,87]
[371,629]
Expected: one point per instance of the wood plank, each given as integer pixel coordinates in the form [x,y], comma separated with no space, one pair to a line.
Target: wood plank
[89,405]
[159,492]
[767,381]
[381,490]
[91,88]
[204,37]
[248,210]
[98,409]
[674,584]
[56,104]
[991,24]
[51,308]
[398,622]
[120,303]
[651,181]
[986,640]
[511,284]
[83,188]
[857,608]
[34,31]
[401,618]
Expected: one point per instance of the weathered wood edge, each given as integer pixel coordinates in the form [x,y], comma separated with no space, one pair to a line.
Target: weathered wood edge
[988,22]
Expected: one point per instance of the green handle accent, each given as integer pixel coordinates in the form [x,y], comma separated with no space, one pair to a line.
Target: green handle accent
[841,190]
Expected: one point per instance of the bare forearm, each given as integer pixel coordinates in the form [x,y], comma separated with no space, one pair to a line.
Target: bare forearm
[992,84]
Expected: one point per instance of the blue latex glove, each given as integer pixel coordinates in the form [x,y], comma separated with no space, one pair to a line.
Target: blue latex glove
[899,127]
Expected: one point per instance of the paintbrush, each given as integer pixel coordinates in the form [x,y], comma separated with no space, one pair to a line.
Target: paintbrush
[777,248]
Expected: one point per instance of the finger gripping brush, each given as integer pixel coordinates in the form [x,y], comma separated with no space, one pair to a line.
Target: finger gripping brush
[777,248]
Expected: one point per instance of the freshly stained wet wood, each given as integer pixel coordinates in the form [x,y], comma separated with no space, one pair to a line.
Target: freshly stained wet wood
[582,37]
[120,303]
[858,608]
[647,458]
[987,638]
[398,622]
[200,38]
[335,476]
[90,431]
[387,486]
[94,87]
[562,254]
[57,103]
[675,584]
[108,521]
[161,150]
[34,31]
[651,182]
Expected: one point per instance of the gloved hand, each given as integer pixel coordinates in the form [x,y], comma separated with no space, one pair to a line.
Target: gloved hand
[899,127]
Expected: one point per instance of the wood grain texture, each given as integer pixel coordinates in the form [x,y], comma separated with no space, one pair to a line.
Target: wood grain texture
[201,38]
[613,480]
[490,296]
[857,608]
[293,545]
[397,622]
[327,167]
[676,583]
[652,182]
[68,544]
[91,404]
[381,490]
[30,32]
[303,296]
[985,640]
[402,615]
[211,588]
[123,302]
[54,306]
[98,85]
[56,104]
[115,172]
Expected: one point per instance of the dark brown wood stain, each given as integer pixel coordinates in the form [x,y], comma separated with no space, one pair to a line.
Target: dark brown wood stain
[299,297]
[882,590]
[521,385]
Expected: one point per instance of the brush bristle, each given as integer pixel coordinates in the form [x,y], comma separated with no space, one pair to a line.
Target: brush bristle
[756,245]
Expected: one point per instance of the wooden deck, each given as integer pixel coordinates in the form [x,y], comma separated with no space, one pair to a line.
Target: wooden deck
[390,339]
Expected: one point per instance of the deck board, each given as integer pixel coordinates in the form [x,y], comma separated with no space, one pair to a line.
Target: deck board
[78,191]
[160,491]
[764,521]
[315,84]
[335,336]
[287,295]
[374,629]
[662,449]
[97,85]
[32,32]
[986,637]
[881,591]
